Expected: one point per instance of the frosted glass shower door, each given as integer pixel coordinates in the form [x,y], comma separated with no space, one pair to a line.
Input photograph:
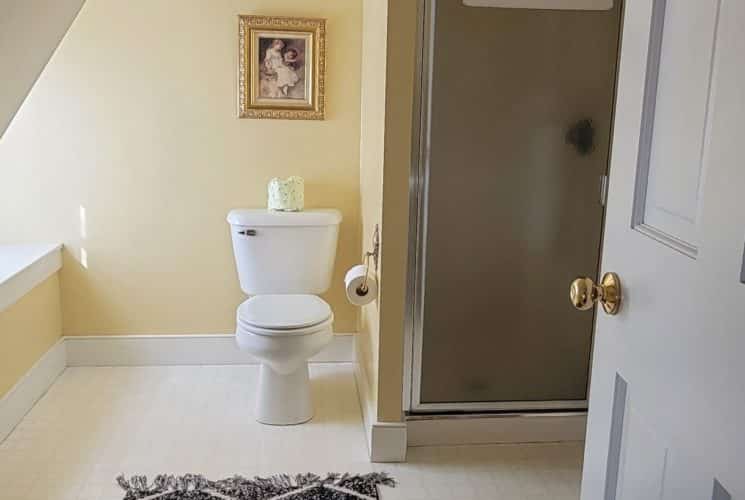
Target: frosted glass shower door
[516,119]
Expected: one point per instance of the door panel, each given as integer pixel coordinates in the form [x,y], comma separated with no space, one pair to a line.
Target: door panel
[679,338]
[674,125]
[720,492]
[641,474]
[617,420]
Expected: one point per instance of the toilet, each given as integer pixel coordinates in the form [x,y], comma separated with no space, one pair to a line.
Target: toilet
[284,260]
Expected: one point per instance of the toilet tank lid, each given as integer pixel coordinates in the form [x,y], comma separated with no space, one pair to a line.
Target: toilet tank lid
[264,217]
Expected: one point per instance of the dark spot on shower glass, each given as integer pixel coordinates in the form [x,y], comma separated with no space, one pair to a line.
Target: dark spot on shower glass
[581,135]
[476,385]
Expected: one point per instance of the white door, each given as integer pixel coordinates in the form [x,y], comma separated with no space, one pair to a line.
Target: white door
[667,396]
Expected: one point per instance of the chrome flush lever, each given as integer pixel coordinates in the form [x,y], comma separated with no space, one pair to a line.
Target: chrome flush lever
[248,232]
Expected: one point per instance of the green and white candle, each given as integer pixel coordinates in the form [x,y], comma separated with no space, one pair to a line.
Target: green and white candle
[286,195]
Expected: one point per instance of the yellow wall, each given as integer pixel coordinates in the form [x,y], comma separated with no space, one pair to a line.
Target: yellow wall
[371,172]
[400,70]
[134,120]
[389,53]
[28,329]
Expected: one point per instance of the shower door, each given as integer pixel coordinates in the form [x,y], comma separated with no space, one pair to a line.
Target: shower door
[507,204]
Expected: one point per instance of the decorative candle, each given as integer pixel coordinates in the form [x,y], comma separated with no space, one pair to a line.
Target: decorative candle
[286,195]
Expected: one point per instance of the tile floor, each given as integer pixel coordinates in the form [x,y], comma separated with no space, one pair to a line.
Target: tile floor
[95,423]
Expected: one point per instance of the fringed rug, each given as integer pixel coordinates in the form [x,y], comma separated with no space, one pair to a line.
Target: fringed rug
[282,487]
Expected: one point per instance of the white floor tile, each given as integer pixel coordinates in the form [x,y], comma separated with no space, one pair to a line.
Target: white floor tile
[97,423]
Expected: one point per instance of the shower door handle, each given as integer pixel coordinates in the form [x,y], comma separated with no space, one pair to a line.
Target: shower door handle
[584,293]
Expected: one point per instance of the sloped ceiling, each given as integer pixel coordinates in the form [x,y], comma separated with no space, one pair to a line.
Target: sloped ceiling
[30,31]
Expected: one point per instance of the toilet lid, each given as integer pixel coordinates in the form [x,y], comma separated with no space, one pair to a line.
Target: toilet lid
[283,312]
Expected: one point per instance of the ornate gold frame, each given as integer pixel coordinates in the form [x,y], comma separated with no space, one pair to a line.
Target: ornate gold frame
[249,106]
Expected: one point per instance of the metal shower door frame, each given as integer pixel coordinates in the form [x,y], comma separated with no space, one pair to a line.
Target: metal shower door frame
[418,203]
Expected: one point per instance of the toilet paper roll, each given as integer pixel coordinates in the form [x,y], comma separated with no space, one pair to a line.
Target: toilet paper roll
[353,282]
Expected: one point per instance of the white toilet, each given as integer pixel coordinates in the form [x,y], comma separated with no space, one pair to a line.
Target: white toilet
[284,259]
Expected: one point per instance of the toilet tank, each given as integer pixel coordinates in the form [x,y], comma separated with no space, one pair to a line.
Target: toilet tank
[284,252]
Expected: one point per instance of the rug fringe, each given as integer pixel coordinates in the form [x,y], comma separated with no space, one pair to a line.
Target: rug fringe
[137,487]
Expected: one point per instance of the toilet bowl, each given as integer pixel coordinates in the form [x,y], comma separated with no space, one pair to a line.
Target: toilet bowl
[284,260]
[283,332]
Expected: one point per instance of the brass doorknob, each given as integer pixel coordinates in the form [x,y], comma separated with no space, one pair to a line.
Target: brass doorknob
[584,293]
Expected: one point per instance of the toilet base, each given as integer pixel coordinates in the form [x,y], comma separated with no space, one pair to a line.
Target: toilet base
[283,399]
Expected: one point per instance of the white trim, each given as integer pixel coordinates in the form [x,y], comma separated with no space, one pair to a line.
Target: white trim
[491,429]
[24,267]
[366,401]
[666,239]
[216,349]
[386,441]
[26,392]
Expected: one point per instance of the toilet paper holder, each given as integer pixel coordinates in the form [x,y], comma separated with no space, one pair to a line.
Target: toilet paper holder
[362,289]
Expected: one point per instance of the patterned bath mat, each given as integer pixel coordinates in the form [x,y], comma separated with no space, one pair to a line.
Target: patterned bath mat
[281,487]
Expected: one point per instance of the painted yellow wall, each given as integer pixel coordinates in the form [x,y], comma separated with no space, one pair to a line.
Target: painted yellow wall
[374,30]
[134,120]
[389,54]
[28,329]
[400,71]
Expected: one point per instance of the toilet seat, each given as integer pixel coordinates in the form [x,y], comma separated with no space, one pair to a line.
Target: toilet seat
[284,315]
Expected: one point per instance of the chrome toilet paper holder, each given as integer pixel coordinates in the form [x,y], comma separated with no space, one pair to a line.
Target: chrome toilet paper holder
[362,289]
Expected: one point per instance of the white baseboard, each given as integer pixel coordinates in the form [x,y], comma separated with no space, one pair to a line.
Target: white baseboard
[218,349]
[386,441]
[32,386]
[490,429]
[363,393]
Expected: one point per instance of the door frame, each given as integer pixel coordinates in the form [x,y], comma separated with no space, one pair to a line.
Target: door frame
[418,200]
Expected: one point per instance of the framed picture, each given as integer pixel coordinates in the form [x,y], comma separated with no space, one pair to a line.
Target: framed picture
[281,67]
